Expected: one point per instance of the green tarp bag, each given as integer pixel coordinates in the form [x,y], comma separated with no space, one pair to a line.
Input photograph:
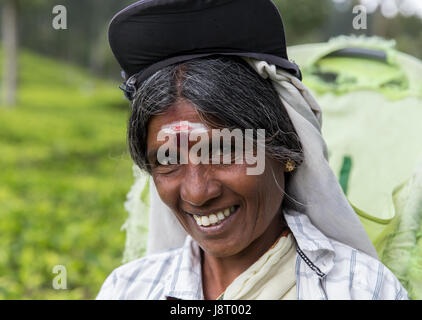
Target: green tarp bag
[371,97]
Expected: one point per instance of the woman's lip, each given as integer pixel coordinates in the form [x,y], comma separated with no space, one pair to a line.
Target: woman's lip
[200,214]
[216,228]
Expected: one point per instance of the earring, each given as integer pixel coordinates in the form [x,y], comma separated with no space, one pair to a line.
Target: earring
[290,165]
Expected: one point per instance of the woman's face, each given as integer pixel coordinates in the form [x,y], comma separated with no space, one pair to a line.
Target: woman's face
[246,206]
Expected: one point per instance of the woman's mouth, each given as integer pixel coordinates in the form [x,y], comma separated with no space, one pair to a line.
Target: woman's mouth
[215,221]
[214,218]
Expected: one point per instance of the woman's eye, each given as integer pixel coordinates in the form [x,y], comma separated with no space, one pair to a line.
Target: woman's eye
[167,165]
[167,162]
[226,155]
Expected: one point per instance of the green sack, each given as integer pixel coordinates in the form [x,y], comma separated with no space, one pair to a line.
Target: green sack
[401,246]
[371,97]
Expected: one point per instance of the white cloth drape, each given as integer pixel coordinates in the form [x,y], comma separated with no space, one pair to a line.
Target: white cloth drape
[272,277]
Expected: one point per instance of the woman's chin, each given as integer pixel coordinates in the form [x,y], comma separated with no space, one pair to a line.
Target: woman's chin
[221,248]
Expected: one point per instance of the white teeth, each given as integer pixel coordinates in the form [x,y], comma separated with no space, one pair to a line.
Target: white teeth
[214,218]
[220,216]
[205,221]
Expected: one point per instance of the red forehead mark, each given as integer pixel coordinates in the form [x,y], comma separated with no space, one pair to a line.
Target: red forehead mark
[182,127]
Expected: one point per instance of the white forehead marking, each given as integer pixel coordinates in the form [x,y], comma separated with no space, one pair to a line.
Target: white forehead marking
[184,126]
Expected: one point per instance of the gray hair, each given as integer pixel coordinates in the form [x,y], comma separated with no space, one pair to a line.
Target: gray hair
[227,93]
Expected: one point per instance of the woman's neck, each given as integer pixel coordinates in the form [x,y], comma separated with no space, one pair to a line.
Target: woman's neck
[219,272]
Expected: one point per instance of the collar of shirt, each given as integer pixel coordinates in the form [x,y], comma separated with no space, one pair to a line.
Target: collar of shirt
[184,281]
[313,246]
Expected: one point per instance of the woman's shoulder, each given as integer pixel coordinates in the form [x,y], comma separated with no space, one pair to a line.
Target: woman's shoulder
[366,276]
[138,278]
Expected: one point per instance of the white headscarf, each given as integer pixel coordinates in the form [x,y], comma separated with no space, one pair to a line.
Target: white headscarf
[313,183]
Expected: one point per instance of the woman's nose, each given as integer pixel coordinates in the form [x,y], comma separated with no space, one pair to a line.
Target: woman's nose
[199,186]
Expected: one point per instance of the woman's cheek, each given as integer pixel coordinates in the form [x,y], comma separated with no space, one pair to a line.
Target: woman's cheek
[245,185]
[167,189]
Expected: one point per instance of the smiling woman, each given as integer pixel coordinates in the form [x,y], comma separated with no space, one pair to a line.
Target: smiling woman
[238,216]
[285,233]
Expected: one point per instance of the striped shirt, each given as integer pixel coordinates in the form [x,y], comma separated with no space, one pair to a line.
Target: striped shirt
[325,269]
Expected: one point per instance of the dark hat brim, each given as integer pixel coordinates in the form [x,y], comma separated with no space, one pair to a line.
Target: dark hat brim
[282,63]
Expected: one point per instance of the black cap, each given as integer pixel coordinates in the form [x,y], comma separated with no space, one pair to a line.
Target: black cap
[151,34]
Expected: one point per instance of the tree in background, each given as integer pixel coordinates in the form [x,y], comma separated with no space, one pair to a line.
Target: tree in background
[10,51]
[304,20]
[10,44]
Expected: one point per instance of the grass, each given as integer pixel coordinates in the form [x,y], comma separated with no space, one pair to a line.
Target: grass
[64,175]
